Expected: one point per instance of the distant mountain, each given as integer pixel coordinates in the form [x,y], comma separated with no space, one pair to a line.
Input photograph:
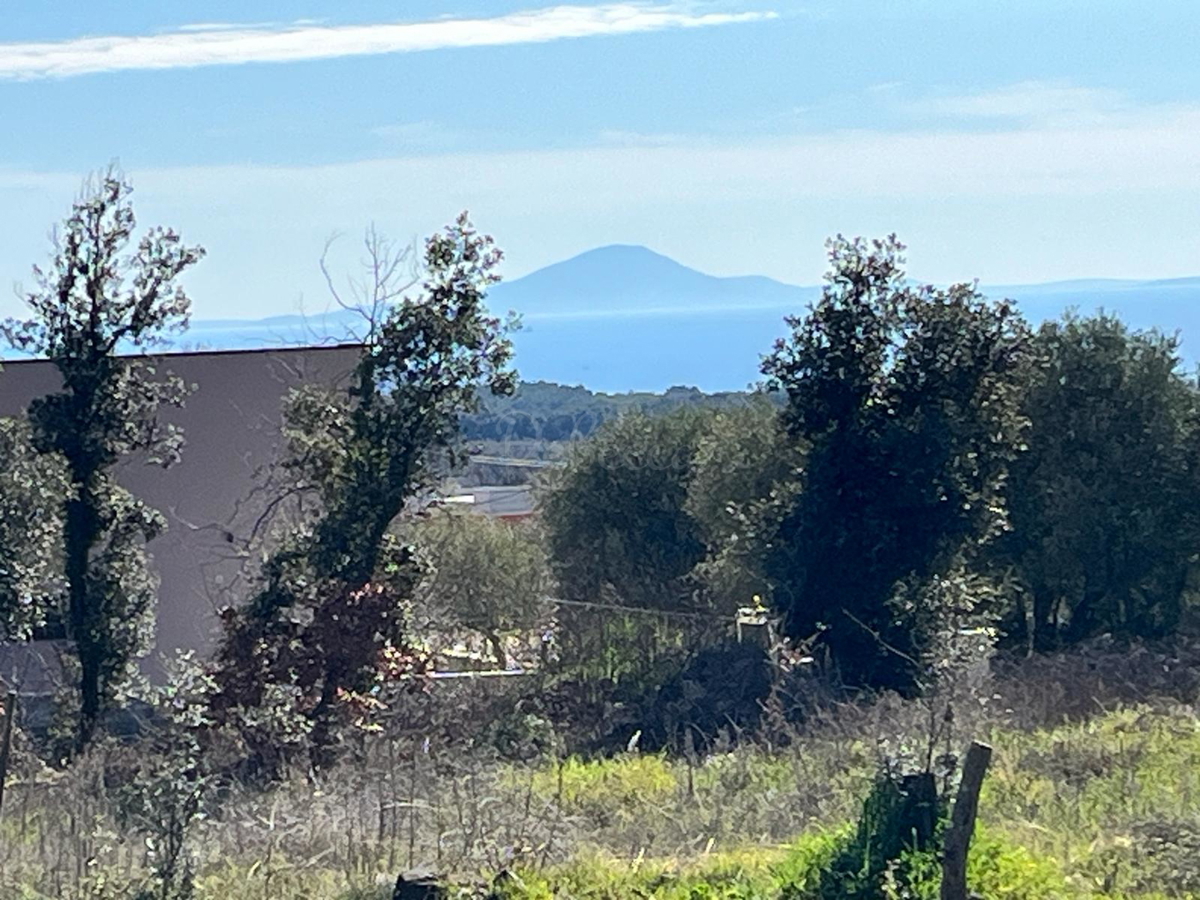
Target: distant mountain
[624,318]
[1092,286]
[628,279]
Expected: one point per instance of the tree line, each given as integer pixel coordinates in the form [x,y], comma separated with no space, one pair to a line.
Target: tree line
[544,411]
[938,471]
[920,474]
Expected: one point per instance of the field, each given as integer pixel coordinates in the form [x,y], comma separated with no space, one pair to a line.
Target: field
[1094,791]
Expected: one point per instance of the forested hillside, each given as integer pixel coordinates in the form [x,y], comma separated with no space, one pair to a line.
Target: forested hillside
[542,411]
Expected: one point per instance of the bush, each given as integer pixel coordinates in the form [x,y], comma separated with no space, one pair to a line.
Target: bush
[899,822]
[996,870]
[719,690]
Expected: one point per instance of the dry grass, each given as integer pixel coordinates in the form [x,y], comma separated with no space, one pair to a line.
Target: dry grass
[1078,793]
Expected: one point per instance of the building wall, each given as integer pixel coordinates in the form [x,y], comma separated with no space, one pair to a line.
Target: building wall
[232,428]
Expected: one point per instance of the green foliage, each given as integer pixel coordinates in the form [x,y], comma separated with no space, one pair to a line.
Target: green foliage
[750,874]
[33,488]
[997,870]
[1156,855]
[161,795]
[656,514]
[619,534]
[543,411]
[600,787]
[482,575]
[327,621]
[896,830]
[744,462]
[99,296]
[616,520]
[1104,808]
[1105,505]
[1095,782]
[821,868]
[907,400]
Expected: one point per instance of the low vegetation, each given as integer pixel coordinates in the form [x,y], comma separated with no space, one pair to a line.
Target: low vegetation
[1107,806]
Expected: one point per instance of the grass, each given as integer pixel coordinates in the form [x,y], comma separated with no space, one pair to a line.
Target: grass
[793,872]
[590,786]
[1106,806]
[1094,794]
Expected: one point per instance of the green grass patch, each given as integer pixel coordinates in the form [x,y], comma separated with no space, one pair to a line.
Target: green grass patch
[998,870]
[629,780]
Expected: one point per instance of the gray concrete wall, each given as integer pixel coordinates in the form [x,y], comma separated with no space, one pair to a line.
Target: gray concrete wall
[231,425]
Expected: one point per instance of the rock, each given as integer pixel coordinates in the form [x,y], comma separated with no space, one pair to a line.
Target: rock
[419,884]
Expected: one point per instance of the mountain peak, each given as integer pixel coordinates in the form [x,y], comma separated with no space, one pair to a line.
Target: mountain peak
[634,278]
[613,263]
[623,252]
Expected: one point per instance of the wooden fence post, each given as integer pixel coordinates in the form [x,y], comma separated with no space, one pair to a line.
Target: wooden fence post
[962,822]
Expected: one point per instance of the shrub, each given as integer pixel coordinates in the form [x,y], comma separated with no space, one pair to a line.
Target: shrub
[996,870]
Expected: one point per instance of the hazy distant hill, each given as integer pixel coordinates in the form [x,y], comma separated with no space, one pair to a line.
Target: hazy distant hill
[627,279]
[624,318]
[1090,287]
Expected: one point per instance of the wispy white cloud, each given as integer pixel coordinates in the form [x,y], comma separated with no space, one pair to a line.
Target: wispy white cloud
[1040,102]
[224,26]
[616,137]
[221,44]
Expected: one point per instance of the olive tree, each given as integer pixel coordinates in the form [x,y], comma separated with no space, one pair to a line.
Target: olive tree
[484,575]
[1106,503]
[617,522]
[619,535]
[907,401]
[744,462]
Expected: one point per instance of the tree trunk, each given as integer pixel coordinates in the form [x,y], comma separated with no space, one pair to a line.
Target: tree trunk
[962,823]
[322,747]
[81,530]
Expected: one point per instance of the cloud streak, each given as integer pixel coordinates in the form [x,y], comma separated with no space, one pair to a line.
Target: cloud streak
[206,45]
[1033,102]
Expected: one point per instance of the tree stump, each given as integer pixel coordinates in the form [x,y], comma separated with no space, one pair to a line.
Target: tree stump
[962,823]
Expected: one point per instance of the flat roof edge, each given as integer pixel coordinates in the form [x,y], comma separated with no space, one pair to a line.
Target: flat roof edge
[241,351]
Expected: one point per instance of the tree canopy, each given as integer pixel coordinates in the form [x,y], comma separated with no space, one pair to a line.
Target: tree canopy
[33,489]
[907,400]
[618,528]
[1105,505]
[327,618]
[483,575]
[104,294]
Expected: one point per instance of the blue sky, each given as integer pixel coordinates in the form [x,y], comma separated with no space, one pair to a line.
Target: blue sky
[1011,141]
